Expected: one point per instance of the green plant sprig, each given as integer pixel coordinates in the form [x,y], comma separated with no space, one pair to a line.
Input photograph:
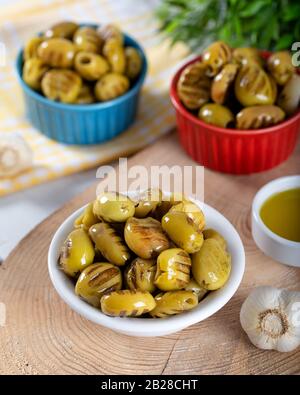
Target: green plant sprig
[265,24]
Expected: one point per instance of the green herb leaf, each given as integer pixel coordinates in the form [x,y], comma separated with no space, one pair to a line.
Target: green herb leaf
[253,7]
[267,24]
[285,42]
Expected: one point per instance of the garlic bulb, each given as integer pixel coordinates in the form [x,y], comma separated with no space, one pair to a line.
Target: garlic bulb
[271,318]
[15,155]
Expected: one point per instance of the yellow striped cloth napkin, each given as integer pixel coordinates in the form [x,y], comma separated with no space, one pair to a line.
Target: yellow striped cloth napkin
[21,21]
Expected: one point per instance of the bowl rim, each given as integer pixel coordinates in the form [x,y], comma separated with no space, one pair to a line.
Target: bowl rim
[217,129]
[146,326]
[86,107]
[262,195]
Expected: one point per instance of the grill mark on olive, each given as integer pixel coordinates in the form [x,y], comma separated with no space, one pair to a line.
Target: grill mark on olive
[223,51]
[185,269]
[111,289]
[134,313]
[259,83]
[69,78]
[53,57]
[109,274]
[92,38]
[66,250]
[146,232]
[63,83]
[193,86]
[126,292]
[183,254]
[123,313]
[101,278]
[189,220]
[133,279]
[92,269]
[116,239]
[254,79]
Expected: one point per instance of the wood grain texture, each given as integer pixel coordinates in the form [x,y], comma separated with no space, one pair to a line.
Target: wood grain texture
[43,335]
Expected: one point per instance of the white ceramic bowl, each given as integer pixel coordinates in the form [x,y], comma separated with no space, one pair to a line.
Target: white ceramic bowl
[278,248]
[147,326]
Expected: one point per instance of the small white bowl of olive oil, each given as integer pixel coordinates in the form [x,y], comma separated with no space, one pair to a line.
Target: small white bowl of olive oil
[276,220]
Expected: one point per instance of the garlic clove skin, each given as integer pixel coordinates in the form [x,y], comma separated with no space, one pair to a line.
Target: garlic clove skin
[271,318]
[292,308]
[15,155]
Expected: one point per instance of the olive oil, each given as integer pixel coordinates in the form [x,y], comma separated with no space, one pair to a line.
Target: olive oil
[281,214]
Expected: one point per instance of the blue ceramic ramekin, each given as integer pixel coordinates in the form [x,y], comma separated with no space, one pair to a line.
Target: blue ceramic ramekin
[83,124]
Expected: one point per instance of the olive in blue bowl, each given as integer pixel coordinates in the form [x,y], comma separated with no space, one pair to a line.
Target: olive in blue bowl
[68,100]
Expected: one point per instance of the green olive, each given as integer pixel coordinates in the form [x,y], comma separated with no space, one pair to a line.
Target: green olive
[253,86]
[110,86]
[61,85]
[257,117]
[147,202]
[173,269]
[145,237]
[140,275]
[213,234]
[109,31]
[109,243]
[90,65]
[63,29]
[77,252]
[33,72]
[193,286]
[87,39]
[85,95]
[113,207]
[134,62]
[173,302]
[193,212]
[87,218]
[127,303]
[289,98]
[222,82]
[211,265]
[57,52]
[115,54]
[281,66]
[182,231]
[96,280]
[244,56]
[216,56]
[193,87]
[31,48]
[216,114]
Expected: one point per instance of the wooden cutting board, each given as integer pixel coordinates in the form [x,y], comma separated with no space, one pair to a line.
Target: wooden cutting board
[43,335]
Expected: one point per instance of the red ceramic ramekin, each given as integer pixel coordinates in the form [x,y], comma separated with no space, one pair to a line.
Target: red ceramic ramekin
[231,150]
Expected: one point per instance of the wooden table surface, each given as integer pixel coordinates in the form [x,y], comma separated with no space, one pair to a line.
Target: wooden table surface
[43,335]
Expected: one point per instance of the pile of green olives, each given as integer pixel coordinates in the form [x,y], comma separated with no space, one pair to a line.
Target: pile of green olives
[76,64]
[146,257]
[238,88]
